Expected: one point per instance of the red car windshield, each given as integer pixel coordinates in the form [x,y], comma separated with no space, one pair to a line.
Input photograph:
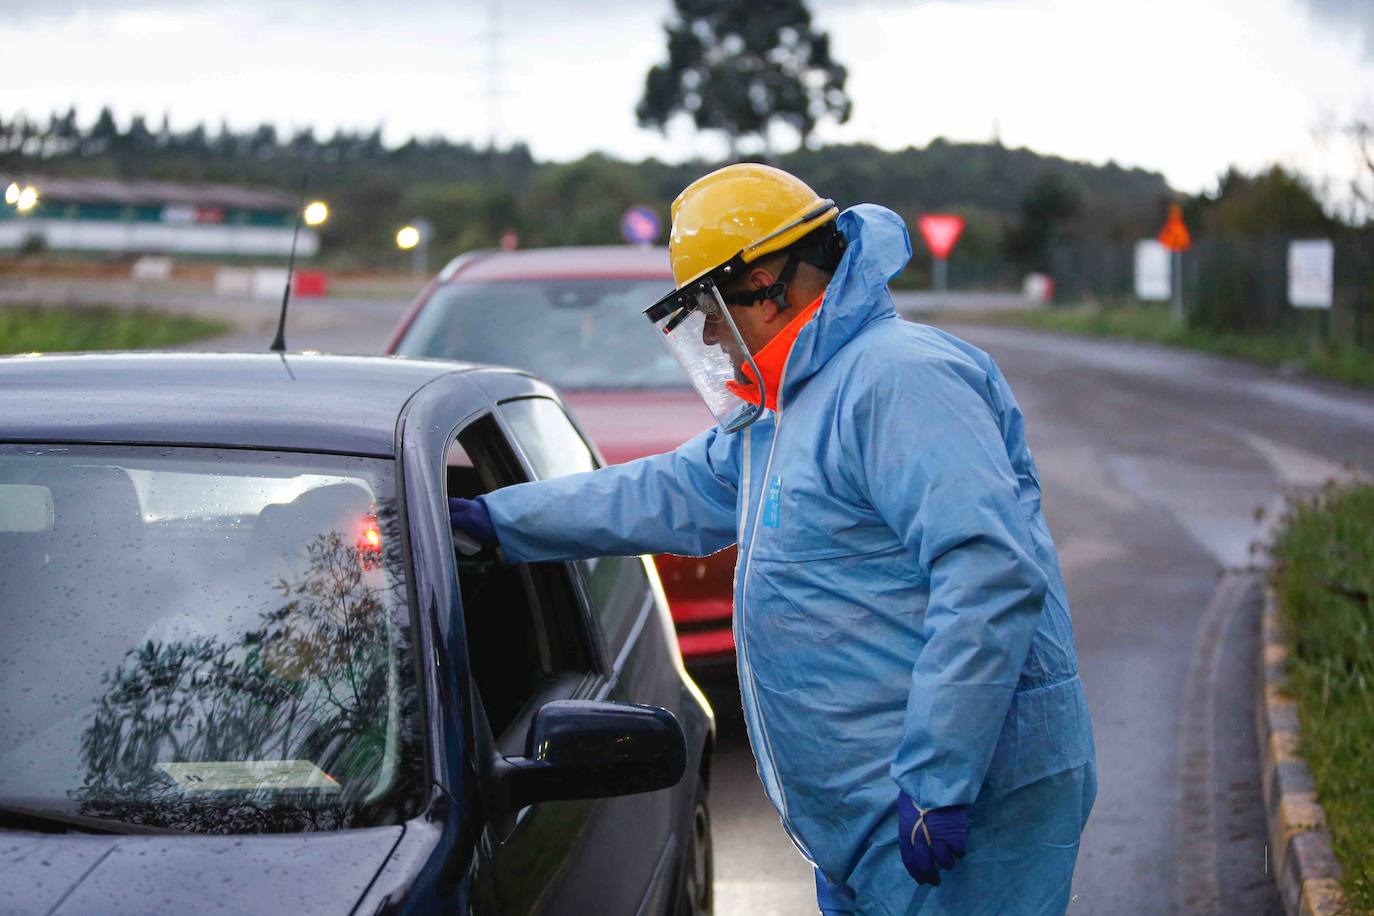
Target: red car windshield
[577,333]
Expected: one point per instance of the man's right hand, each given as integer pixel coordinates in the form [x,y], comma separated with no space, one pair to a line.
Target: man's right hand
[469,518]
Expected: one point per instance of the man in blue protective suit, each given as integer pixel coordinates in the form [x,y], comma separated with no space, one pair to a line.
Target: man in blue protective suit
[906,656]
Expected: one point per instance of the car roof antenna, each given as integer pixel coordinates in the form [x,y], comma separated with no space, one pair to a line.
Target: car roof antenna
[279,342]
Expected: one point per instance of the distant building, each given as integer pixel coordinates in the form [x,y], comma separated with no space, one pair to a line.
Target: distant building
[157,217]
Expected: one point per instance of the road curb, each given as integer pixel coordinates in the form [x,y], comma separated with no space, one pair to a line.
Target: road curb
[1304,867]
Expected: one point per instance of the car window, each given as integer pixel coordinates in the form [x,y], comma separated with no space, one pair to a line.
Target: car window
[553,445]
[523,622]
[207,640]
[617,587]
[577,333]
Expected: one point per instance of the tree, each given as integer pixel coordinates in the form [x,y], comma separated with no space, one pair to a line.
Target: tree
[580,203]
[194,141]
[262,144]
[468,215]
[1361,135]
[63,134]
[103,134]
[138,137]
[739,66]
[1273,202]
[303,144]
[1049,202]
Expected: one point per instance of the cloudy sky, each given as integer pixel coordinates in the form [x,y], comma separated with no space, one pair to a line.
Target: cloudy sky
[1181,86]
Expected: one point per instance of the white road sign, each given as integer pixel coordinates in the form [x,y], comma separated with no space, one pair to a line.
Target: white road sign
[1311,273]
[1152,271]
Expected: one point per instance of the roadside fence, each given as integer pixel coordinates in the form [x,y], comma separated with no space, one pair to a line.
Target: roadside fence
[1238,285]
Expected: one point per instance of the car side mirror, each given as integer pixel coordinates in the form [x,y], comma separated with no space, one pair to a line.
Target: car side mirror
[586,749]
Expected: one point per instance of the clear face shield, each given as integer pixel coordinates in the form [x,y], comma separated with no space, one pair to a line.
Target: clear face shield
[696,326]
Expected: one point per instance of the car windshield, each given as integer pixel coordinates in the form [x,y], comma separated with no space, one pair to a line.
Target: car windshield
[583,333]
[214,641]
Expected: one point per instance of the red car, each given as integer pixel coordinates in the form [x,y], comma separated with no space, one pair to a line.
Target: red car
[573,315]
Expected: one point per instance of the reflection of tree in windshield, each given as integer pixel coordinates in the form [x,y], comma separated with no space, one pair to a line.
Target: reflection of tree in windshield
[317,681]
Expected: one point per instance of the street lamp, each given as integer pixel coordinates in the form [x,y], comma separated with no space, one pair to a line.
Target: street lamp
[415,239]
[27,199]
[12,193]
[315,213]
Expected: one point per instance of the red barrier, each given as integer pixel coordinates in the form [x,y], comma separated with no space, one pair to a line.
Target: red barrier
[310,283]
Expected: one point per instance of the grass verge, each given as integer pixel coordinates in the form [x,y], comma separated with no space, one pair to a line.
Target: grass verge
[1342,362]
[1323,574]
[45,329]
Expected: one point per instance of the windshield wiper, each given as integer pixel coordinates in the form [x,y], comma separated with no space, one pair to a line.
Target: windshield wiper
[46,821]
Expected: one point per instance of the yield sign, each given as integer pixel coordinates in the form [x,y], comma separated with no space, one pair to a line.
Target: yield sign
[1174,236]
[941,231]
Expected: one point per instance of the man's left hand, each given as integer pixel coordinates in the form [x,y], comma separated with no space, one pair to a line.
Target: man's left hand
[930,837]
[470,518]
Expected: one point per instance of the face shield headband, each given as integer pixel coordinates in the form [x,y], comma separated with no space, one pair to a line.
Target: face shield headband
[698,330]
[822,248]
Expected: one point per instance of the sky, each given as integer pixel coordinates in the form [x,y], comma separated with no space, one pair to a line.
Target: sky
[1183,87]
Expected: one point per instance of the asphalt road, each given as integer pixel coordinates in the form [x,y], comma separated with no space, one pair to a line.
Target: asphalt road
[330,324]
[333,324]
[1160,470]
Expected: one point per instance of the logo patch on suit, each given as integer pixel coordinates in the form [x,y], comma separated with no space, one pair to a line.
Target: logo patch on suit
[772,504]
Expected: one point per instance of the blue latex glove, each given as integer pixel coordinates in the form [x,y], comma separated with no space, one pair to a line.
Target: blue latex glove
[935,836]
[470,520]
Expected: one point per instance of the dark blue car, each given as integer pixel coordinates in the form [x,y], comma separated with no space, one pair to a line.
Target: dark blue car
[245,667]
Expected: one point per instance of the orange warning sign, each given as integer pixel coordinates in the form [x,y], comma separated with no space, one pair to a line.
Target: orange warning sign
[1174,236]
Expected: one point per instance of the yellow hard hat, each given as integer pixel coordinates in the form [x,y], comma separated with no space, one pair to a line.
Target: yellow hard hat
[743,210]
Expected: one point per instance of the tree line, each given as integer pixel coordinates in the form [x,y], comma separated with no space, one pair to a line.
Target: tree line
[1018,204]
[1015,200]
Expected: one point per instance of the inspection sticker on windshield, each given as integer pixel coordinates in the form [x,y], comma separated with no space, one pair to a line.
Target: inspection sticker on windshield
[249,776]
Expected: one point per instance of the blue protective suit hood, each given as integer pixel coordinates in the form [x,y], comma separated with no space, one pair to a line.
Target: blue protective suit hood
[878,248]
[900,618]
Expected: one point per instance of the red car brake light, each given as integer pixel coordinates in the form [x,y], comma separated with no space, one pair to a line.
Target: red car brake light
[370,543]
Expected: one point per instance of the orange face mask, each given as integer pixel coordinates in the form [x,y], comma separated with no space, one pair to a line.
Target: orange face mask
[771,359]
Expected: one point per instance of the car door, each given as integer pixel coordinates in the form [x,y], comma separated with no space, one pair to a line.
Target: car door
[530,640]
[620,601]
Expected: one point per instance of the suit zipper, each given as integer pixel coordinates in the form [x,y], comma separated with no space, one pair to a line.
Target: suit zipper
[743,643]
[748,460]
